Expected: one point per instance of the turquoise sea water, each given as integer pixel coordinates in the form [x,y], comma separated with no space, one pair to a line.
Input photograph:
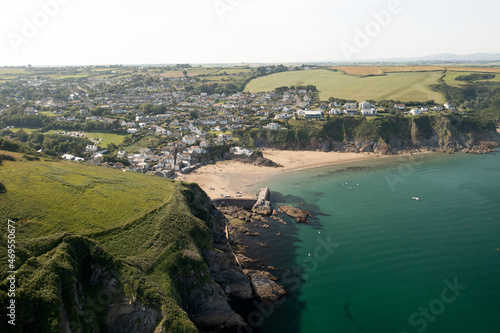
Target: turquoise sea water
[375,260]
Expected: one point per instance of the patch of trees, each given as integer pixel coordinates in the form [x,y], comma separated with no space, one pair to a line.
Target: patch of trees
[475,77]
[4,157]
[309,87]
[480,97]
[115,159]
[15,146]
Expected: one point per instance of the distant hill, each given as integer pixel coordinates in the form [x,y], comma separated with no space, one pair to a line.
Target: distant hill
[441,57]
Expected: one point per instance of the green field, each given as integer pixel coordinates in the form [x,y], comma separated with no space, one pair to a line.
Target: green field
[107,138]
[396,86]
[449,79]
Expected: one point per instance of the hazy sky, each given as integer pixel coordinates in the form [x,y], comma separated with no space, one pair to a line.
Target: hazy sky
[89,32]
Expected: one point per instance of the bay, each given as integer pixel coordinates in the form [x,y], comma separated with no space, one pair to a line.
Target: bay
[372,259]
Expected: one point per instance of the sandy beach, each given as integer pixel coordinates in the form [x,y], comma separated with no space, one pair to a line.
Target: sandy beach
[230,177]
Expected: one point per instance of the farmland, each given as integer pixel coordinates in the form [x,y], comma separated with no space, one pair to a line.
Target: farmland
[397,69]
[397,86]
[360,70]
[475,69]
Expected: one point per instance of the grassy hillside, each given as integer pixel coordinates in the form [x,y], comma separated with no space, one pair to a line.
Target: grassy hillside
[396,86]
[450,78]
[78,225]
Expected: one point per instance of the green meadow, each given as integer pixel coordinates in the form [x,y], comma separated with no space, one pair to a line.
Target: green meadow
[107,138]
[411,86]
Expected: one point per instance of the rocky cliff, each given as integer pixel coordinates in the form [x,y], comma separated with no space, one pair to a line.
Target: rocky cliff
[386,135]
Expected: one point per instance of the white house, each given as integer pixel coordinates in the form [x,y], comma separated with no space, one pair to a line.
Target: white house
[350,112]
[132,130]
[188,139]
[282,116]
[313,114]
[335,112]
[273,126]
[415,111]
[241,151]
[369,112]
[365,105]
[351,105]
[91,148]
[400,106]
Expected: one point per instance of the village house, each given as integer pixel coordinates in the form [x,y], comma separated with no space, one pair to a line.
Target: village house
[313,114]
[400,106]
[132,130]
[365,105]
[415,111]
[91,148]
[189,140]
[350,112]
[369,112]
[282,116]
[204,144]
[335,112]
[273,126]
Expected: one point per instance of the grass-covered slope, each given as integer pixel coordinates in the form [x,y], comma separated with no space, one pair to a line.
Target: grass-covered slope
[99,249]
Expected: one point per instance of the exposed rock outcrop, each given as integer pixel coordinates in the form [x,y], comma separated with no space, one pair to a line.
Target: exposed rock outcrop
[300,215]
[209,308]
[264,286]
[225,271]
[131,317]
[263,205]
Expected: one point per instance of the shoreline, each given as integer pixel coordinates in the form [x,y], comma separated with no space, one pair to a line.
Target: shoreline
[230,177]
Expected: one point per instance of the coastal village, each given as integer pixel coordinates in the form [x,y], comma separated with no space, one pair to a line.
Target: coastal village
[189,122]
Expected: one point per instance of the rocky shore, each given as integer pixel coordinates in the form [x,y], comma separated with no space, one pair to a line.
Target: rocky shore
[239,276]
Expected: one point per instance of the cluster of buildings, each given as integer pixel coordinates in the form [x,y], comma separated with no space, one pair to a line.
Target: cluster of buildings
[193,121]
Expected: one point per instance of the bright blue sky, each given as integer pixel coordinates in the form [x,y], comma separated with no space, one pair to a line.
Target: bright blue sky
[86,32]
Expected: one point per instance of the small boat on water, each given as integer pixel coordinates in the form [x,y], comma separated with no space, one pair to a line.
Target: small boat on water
[416,198]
